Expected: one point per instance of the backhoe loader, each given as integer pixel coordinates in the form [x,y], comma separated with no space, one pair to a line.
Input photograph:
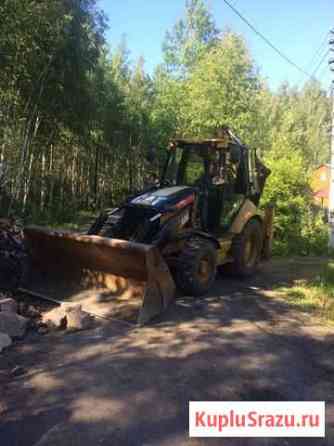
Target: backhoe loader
[202,213]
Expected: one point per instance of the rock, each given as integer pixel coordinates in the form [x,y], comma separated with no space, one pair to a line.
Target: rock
[77,319]
[8,304]
[68,315]
[70,306]
[55,318]
[5,341]
[13,324]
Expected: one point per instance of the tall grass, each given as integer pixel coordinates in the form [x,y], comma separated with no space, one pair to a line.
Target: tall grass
[315,297]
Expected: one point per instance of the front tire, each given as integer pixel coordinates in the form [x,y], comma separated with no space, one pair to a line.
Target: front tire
[247,248]
[196,267]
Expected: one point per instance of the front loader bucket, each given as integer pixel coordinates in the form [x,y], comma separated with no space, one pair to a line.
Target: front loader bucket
[109,278]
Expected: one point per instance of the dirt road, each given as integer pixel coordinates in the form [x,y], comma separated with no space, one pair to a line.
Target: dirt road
[125,386]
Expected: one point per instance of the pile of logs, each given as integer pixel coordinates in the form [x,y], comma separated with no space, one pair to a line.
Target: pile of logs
[12,254]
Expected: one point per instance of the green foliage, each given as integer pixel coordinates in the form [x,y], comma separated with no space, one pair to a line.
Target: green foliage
[297,141]
[190,38]
[298,226]
[77,120]
[303,119]
[326,278]
[165,115]
[222,88]
[315,296]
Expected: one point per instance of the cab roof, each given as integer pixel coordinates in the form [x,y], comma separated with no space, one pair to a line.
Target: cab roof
[225,138]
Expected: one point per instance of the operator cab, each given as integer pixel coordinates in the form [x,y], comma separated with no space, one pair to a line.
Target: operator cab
[219,169]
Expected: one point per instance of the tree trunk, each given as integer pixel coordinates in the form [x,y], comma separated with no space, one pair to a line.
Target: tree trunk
[43,182]
[130,165]
[96,176]
[27,182]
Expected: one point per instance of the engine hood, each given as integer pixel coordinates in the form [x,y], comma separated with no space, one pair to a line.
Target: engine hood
[166,198]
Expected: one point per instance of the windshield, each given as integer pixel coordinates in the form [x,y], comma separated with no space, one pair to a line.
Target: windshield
[185,167]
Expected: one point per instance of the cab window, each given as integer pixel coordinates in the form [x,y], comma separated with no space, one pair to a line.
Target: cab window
[195,169]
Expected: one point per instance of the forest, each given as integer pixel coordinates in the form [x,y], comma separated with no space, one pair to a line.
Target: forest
[78,119]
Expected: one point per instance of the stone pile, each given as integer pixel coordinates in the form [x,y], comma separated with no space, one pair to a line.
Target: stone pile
[15,318]
[12,325]
[67,316]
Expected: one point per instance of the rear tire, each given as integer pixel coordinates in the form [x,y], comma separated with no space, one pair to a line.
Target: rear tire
[247,248]
[196,267]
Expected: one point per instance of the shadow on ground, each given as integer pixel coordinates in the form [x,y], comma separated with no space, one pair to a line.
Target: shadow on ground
[117,385]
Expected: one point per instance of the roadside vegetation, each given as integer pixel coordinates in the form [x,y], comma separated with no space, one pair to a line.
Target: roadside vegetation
[315,297]
[77,119]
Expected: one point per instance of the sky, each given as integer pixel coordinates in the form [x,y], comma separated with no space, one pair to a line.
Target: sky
[297,27]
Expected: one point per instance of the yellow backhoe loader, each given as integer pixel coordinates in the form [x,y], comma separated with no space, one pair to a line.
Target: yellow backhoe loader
[173,235]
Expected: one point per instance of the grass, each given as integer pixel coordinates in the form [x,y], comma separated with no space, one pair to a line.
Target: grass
[315,297]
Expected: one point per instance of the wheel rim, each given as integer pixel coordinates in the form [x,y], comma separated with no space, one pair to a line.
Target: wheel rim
[250,252]
[204,270]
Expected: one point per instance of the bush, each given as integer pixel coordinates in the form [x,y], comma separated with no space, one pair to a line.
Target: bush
[312,239]
[298,227]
